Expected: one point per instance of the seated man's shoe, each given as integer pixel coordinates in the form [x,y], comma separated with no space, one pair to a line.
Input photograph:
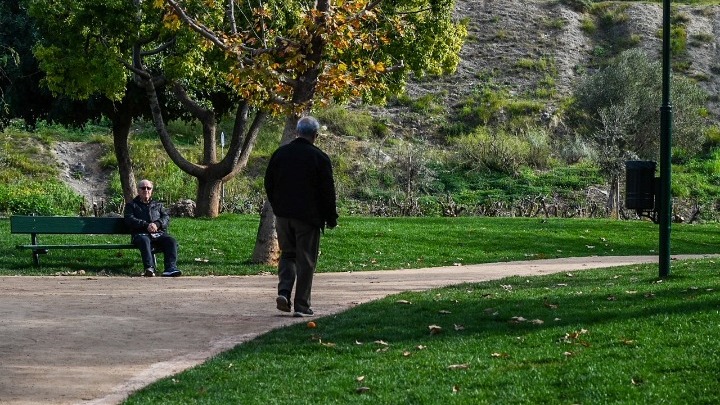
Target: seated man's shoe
[304,313]
[149,272]
[172,273]
[283,303]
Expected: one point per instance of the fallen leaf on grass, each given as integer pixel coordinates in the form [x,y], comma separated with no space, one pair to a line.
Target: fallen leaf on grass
[362,390]
[537,322]
[407,353]
[458,366]
[459,327]
[435,329]
[200,259]
[456,389]
[404,302]
[499,355]
[381,342]
[444,312]
[360,378]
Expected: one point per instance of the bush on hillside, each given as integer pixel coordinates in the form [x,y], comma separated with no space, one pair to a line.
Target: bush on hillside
[50,197]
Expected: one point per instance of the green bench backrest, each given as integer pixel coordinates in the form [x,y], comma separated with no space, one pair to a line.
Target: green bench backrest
[66,225]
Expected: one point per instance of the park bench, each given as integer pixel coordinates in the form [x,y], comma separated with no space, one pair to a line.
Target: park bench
[37,225]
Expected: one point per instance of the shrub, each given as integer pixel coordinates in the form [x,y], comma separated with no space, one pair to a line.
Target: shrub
[50,197]
[491,151]
[340,121]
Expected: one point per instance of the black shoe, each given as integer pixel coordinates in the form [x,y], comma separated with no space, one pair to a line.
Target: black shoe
[283,303]
[172,273]
[149,272]
[301,314]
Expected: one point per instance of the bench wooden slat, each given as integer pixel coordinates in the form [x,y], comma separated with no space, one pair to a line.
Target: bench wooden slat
[89,246]
[68,225]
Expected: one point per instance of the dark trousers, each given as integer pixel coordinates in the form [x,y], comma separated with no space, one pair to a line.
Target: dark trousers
[299,245]
[164,243]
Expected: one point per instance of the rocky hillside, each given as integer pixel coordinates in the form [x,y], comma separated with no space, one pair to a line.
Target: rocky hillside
[505,35]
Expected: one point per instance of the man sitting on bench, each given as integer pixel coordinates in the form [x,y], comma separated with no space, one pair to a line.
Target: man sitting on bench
[149,223]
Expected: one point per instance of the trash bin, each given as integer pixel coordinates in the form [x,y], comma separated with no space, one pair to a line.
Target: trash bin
[640,185]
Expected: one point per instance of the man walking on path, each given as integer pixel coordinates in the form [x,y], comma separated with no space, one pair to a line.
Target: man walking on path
[300,188]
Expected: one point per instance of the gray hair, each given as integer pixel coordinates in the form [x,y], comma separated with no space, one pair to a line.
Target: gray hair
[308,127]
[145,182]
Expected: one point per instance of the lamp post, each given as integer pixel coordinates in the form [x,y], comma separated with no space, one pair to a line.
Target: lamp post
[665,202]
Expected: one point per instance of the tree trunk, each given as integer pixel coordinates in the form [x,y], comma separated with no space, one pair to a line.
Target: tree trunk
[121,137]
[267,250]
[613,202]
[208,197]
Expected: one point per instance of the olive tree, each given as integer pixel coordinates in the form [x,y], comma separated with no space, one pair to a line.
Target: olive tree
[619,111]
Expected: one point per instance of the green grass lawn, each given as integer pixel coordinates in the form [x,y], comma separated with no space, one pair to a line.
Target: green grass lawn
[224,245]
[591,337]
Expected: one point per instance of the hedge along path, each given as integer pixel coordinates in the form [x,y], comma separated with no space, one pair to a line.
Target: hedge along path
[95,340]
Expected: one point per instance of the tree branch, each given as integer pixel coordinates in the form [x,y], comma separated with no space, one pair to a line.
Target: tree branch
[197,26]
[160,48]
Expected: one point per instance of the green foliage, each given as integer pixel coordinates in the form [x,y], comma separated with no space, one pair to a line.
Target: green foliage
[698,181]
[622,101]
[503,152]
[50,197]
[610,14]
[587,25]
[472,188]
[355,124]
[713,136]
[542,64]
[426,104]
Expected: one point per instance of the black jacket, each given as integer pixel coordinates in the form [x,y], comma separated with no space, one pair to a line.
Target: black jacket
[299,184]
[138,215]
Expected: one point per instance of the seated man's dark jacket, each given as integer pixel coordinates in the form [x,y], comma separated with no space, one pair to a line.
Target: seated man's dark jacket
[299,184]
[138,215]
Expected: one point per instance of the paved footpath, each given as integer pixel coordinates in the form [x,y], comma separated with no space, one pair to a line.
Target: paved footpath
[95,340]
